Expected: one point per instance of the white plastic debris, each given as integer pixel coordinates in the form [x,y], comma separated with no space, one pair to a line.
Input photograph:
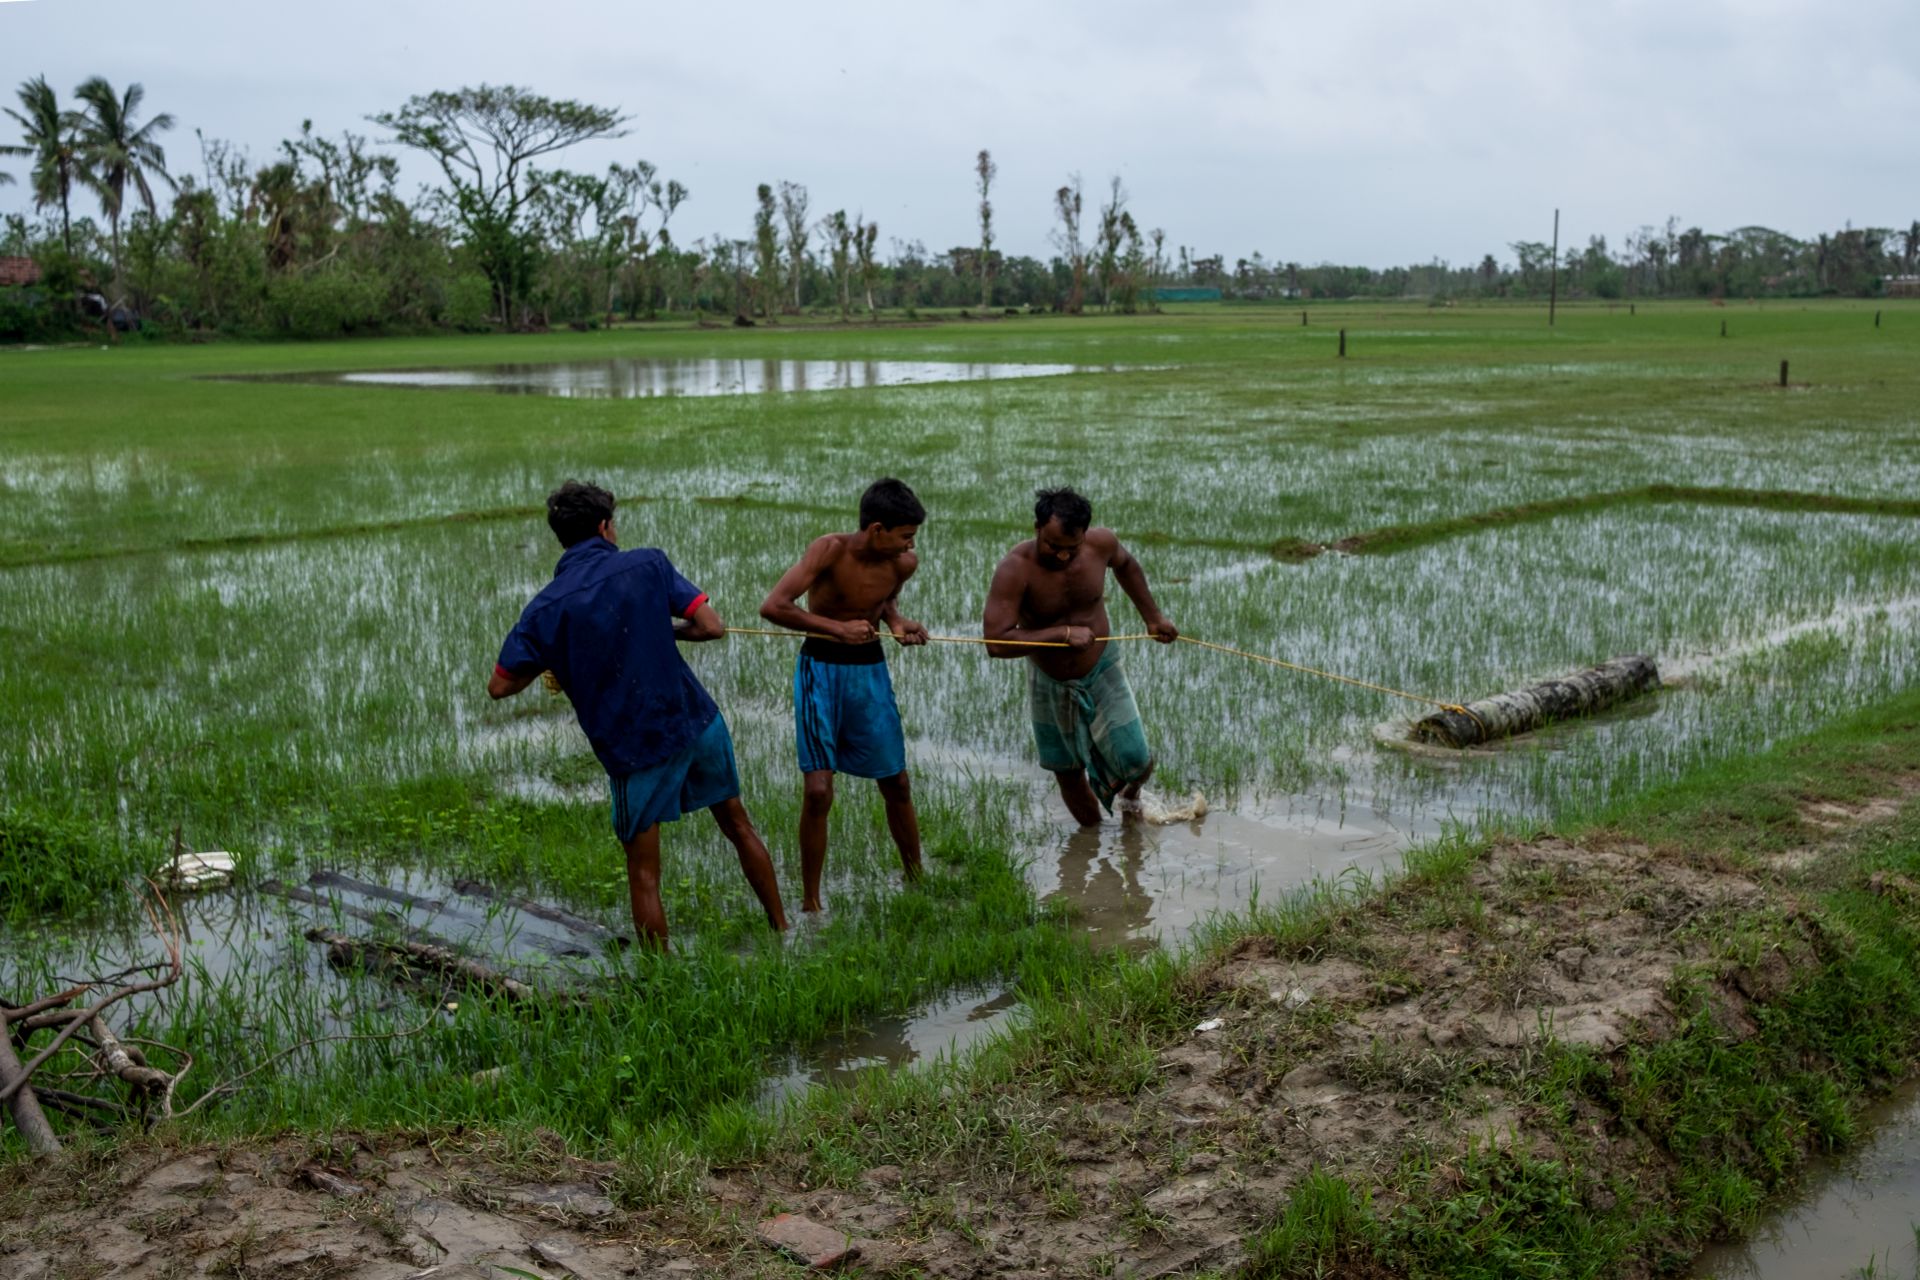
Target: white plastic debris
[1211,1024]
[197,871]
[1292,997]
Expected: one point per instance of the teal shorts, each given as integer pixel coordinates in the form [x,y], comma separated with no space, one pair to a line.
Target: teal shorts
[699,777]
[844,717]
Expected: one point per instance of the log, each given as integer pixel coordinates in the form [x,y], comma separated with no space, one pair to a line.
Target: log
[444,960]
[115,1059]
[541,911]
[394,921]
[1536,706]
[23,1106]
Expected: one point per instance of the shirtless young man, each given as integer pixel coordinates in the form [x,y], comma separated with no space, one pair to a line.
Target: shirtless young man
[1053,588]
[844,717]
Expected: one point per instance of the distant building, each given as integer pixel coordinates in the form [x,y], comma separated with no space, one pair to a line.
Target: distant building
[18,273]
[1903,286]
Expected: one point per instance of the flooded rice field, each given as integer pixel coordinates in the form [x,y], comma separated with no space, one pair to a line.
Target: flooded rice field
[273,633]
[641,379]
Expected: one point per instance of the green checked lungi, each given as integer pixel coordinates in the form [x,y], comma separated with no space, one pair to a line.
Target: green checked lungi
[1091,723]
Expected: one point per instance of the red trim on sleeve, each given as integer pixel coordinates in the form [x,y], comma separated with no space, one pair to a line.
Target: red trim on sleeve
[502,672]
[695,606]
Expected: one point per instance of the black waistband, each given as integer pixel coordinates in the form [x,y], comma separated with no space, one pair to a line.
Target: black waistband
[833,653]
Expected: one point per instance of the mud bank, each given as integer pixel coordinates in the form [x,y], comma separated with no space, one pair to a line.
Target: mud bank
[1590,1053]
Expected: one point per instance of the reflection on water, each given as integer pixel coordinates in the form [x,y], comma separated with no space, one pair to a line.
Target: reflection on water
[1132,885]
[1858,1216]
[1129,885]
[636,379]
[943,1028]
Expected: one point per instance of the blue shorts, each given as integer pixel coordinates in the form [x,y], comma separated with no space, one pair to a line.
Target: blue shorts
[845,719]
[699,777]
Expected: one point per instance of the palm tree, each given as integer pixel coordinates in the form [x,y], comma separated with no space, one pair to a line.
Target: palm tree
[115,151]
[53,147]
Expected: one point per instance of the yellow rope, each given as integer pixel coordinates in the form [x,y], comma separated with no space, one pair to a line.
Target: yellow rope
[1204,644]
[1023,644]
[1315,671]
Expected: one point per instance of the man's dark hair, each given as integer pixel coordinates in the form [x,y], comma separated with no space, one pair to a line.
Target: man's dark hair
[1073,512]
[575,511]
[890,504]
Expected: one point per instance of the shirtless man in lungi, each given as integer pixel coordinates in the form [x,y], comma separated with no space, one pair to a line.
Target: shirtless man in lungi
[1053,588]
[845,719]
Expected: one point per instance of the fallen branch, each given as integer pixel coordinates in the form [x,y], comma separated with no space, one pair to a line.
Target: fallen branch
[22,1103]
[169,933]
[115,1060]
[343,950]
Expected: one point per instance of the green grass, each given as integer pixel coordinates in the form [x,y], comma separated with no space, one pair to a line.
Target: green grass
[263,613]
[1733,1119]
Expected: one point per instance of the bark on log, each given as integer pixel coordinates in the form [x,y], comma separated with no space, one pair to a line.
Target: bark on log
[23,1106]
[441,959]
[117,1060]
[541,911]
[393,920]
[1536,706]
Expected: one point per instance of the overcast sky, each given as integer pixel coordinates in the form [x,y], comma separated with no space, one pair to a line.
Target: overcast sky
[1364,132]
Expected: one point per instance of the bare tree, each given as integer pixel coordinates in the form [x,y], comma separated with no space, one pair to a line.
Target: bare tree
[793,211]
[1157,267]
[645,193]
[840,234]
[1066,237]
[985,171]
[766,246]
[1108,238]
[864,236]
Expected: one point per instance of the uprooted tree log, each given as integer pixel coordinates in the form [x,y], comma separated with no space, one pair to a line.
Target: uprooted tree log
[384,952]
[1536,706]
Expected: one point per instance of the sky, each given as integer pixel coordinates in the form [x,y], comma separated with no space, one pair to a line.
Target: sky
[1373,132]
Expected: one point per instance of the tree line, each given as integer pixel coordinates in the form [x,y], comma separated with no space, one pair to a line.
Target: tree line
[318,240]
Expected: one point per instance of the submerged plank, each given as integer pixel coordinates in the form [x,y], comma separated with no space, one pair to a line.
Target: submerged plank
[599,933]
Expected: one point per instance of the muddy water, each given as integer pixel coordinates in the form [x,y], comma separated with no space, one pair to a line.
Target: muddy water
[635,379]
[1855,1217]
[1132,885]
[248,943]
[944,1027]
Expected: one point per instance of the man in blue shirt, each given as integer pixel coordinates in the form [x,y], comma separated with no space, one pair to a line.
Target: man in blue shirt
[606,626]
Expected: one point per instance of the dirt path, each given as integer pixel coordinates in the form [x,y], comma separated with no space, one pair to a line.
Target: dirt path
[1403,1028]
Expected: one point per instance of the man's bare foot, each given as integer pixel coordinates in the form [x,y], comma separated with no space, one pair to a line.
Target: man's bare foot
[811,905]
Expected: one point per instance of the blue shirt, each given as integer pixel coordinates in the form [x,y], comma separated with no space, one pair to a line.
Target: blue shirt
[604,627]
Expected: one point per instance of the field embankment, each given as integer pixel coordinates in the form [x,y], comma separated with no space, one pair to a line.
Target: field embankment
[1583,1052]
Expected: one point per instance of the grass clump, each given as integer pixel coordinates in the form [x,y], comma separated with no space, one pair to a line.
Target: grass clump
[55,864]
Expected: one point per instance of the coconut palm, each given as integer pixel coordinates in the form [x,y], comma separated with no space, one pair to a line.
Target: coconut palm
[116,150]
[51,145]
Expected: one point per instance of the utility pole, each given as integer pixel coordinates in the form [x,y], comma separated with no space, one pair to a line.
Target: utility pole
[1553,287]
